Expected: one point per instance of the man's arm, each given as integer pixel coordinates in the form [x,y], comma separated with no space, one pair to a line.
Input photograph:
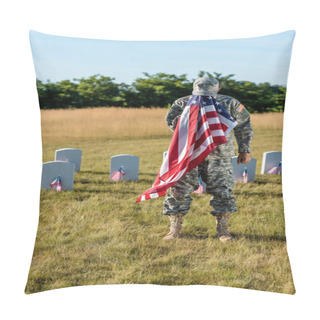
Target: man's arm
[175,111]
[243,131]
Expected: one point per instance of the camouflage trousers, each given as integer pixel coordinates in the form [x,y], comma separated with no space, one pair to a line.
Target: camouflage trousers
[216,172]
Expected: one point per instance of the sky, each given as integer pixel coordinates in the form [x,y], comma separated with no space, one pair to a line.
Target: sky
[260,59]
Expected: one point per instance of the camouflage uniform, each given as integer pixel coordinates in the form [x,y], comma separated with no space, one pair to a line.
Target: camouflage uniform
[216,169]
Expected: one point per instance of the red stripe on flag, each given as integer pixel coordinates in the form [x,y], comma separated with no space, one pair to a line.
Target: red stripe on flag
[173,148]
[215,126]
[219,140]
[224,127]
[212,114]
[201,139]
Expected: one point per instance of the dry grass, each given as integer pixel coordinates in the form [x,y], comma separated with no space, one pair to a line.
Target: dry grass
[100,123]
[97,234]
[114,123]
[267,121]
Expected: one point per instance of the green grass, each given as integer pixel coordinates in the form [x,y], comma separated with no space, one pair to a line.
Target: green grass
[97,234]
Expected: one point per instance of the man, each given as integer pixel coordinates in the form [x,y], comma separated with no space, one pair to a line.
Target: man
[215,170]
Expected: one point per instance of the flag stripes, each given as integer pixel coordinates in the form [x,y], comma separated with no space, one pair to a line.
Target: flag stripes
[202,126]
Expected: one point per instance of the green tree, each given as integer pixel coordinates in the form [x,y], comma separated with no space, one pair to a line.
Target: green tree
[158,90]
[98,91]
[161,89]
[68,95]
[63,94]
[129,96]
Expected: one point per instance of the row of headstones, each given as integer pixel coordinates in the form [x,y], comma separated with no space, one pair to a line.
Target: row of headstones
[270,160]
[68,161]
[130,166]
[271,163]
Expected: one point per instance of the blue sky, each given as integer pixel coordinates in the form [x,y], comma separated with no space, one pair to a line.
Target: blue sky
[261,59]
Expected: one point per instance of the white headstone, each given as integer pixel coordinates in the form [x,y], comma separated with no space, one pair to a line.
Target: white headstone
[70,155]
[130,166]
[53,169]
[238,169]
[269,160]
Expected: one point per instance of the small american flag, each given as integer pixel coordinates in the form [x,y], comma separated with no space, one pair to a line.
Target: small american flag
[117,176]
[56,184]
[202,187]
[203,125]
[245,175]
[275,170]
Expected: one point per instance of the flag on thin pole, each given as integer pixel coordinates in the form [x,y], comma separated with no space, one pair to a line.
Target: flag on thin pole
[276,169]
[117,176]
[203,125]
[202,187]
[245,175]
[56,184]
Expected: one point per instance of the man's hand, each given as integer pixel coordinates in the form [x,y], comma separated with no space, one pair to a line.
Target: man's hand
[243,157]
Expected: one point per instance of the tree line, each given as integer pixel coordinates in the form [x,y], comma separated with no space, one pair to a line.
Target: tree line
[158,90]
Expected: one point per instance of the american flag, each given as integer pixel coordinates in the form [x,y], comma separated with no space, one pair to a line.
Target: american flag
[117,176]
[203,125]
[275,170]
[202,187]
[56,184]
[245,175]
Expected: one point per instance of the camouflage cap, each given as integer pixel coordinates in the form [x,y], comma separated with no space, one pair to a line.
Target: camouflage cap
[205,87]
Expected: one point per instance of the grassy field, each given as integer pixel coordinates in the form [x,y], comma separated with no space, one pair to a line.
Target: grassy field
[97,234]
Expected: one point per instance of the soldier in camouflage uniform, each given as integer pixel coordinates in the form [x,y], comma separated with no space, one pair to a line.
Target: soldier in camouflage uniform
[215,170]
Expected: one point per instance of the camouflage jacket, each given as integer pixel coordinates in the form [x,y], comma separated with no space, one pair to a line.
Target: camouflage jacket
[243,131]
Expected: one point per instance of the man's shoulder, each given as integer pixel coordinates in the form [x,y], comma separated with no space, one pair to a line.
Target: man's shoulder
[182,100]
[221,98]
